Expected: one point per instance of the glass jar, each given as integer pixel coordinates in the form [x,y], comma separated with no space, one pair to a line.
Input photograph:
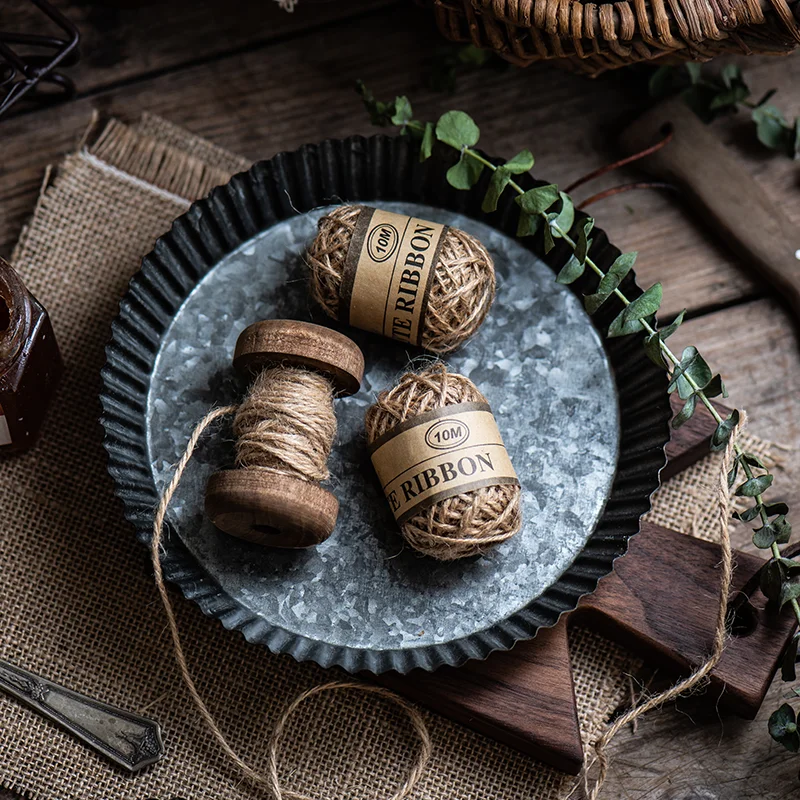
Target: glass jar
[30,363]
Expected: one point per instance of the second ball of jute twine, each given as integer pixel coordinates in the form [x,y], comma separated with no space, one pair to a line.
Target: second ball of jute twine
[465,525]
[461,293]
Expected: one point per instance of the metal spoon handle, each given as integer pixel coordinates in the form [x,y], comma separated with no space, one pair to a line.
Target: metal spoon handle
[130,741]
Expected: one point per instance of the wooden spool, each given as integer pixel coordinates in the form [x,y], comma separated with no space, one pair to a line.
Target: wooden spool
[265,507]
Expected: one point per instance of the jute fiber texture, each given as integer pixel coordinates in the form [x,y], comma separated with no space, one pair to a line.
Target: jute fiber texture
[461,293]
[469,523]
[78,603]
[286,424]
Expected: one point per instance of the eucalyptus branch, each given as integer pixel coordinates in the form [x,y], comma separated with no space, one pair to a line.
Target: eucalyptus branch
[546,211]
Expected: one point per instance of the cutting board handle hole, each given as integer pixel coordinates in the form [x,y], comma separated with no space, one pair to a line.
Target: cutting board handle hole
[742,620]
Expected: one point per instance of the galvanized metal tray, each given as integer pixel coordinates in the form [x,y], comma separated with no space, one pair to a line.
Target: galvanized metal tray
[585,422]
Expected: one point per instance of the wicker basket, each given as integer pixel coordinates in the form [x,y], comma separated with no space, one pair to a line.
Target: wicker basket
[593,37]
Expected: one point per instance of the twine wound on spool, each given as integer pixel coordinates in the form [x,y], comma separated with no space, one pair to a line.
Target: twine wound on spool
[286,424]
[462,286]
[285,429]
[466,524]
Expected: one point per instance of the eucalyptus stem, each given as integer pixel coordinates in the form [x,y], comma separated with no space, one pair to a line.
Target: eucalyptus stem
[665,349]
[547,211]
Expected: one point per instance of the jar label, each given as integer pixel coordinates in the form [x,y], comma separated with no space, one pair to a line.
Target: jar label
[388,274]
[5,433]
[439,454]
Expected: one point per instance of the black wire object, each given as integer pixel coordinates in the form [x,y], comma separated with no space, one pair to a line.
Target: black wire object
[22,72]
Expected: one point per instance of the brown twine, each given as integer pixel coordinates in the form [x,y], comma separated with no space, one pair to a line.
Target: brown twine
[701,672]
[270,780]
[286,424]
[469,523]
[462,290]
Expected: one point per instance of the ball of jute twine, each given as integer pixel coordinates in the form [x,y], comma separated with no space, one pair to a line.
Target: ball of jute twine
[462,290]
[270,779]
[465,525]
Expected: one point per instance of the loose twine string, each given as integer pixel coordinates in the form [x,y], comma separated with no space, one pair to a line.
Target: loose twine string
[269,780]
[701,673]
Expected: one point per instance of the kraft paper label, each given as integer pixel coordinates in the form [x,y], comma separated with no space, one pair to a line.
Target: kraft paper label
[388,274]
[440,454]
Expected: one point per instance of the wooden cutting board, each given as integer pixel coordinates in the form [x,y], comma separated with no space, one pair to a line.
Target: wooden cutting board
[660,601]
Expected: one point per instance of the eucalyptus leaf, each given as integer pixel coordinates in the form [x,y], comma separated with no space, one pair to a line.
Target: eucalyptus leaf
[549,242]
[426,146]
[667,331]
[720,437]
[571,271]
[731,75]
[695,71]
[465,173]
[402,111]
[652,347]
[621,326]
[755,486]
[584,242]
[538,200]
[380,113]
[783,529]
[790,590]
[715,387]
[783,728]
[664,81]
[734,471]
[685,414]
[753,460]
[796,142]
[790,567]
[528,224]
[646,304]
[770,580]
[789,660]
[729,98]
[695,367]
[522,162]
[771,127]
[610,281]
[500,178]
[562,222]
[749,514]
[764,537]
[457,129]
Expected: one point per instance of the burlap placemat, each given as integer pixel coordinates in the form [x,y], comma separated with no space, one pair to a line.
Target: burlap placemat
[78,603]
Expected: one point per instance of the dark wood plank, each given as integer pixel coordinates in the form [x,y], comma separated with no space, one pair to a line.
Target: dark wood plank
[524,698]
[266,99]
[674,627]
[125,40]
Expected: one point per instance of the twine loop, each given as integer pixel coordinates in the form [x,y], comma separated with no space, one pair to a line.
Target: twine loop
[269,780]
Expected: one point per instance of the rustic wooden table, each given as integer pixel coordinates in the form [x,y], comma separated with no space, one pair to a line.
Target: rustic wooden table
[256,80]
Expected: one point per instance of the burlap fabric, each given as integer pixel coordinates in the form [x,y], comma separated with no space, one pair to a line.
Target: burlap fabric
[78,602]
